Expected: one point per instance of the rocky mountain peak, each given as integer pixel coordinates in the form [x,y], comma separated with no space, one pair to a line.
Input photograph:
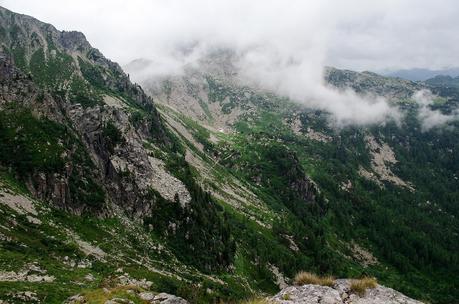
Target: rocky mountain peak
[74,41]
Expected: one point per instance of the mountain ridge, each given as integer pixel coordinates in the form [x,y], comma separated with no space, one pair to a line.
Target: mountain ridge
[101,186]
[420,74]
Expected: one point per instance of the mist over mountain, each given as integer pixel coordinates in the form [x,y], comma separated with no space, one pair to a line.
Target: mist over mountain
[350,97]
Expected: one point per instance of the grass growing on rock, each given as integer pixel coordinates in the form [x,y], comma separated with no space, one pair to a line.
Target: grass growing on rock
[304,278]
[103,295]
[359,286]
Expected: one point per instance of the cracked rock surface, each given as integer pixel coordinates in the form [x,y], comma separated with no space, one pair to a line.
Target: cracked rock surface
[340,293]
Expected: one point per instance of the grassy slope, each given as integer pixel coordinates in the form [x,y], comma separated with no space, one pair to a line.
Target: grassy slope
[417,250]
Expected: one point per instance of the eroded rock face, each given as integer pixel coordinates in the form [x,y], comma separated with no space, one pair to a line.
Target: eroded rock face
[383,157]
[300,183]
[144,297]
[30,273]
[340,293]
[20,87]
[308,294]
[165,298]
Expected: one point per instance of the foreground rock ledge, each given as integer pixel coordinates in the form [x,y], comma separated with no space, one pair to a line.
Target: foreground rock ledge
[339,294]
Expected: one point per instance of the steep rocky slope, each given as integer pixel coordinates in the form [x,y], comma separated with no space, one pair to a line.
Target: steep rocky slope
[375,182]
[77,136]
[71,83]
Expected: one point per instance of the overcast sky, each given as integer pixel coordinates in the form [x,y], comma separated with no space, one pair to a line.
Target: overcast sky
[355,34]
[282,45]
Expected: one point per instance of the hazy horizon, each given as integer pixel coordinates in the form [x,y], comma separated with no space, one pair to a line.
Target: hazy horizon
[357,35]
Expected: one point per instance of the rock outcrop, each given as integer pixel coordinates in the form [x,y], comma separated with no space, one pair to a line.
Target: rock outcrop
[162,298]
[340,293]
[59,76]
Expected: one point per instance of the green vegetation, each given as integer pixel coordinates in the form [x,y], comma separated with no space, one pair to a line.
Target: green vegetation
[92,73]
[265,154]
[228,99]
[86,191]
[136,118]
[300,217]
[201,226]
[103,295]
[30,144]
[406,232]
[19,57]
[81,92]
[51,70]
[201,134]
[112,136]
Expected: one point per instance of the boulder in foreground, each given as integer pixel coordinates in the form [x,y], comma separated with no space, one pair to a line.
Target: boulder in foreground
[340,293]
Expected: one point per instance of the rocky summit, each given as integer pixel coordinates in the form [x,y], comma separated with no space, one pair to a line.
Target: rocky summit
[202,187]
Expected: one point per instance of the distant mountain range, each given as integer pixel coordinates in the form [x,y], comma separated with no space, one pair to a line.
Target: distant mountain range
[445,81]
[421,74]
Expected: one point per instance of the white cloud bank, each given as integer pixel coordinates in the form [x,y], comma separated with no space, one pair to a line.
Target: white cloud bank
[354,34]
[302,79]
[431,118]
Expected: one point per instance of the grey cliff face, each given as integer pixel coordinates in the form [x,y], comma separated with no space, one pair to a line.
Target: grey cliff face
[27,37]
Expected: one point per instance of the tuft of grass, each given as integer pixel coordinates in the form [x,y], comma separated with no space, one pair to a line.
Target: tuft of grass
[286,297]
[359,286]
[101,295]
[303,278]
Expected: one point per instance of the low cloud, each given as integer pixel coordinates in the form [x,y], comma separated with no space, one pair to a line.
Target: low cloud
[282,46]
[431,118]
[353,34]
[302,80]
[299,77]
